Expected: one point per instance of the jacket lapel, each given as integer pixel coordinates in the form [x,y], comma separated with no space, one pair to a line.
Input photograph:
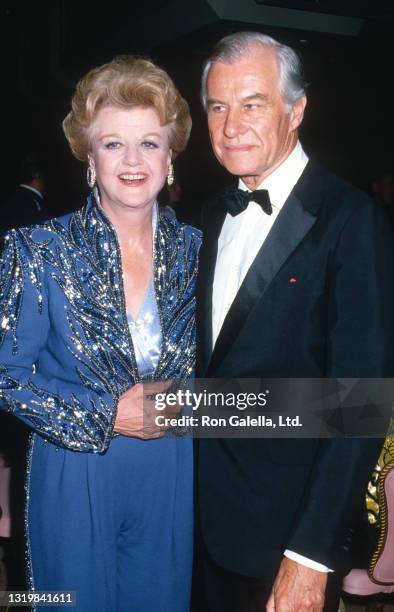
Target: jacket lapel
[294,221]
[212,226]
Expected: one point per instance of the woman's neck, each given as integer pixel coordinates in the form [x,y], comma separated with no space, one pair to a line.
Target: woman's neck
[133,226]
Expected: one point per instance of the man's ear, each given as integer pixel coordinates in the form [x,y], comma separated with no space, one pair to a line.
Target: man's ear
[297,113]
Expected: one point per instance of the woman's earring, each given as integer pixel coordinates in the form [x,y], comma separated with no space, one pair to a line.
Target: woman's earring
[170,175]
[91,176]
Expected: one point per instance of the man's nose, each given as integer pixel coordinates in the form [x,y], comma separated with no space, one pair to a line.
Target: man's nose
[234,124]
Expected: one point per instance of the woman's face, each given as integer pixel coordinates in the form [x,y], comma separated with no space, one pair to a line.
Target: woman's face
[130,153]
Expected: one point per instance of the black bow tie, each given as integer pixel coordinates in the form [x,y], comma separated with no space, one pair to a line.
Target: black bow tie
[237,200]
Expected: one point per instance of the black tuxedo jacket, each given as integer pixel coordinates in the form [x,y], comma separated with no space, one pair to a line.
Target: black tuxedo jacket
[258,497]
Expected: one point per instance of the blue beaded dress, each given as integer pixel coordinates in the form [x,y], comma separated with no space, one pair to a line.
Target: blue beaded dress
[109,517]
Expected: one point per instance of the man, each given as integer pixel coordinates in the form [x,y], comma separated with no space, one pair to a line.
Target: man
[26,205]
[383,190]
[298,286]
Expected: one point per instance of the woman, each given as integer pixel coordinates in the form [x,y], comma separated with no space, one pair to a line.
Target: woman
[92,304]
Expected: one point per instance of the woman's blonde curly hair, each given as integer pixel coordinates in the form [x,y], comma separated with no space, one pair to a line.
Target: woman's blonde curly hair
[126,82]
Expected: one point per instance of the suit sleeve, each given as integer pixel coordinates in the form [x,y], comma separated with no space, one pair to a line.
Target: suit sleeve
[65,413]
[360,343]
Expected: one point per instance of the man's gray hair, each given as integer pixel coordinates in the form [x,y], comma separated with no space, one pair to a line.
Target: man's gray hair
[291,84]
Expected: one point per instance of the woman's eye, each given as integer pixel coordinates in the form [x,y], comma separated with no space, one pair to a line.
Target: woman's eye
[112,145]
[149,144]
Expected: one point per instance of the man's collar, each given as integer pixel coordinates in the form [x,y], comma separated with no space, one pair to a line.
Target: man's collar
[32,189]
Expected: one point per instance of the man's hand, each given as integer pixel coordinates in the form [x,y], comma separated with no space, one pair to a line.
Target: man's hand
[297,588]
[136,414]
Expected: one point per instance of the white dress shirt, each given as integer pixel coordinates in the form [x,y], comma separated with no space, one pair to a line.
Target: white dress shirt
[242,236]
[239,242]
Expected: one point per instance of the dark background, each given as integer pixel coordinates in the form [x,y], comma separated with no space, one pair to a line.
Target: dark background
[46,46]
[347,47]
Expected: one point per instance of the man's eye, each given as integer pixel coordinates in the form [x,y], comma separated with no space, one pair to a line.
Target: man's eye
[149,144]
[217,108]
[112,145]
[252,106]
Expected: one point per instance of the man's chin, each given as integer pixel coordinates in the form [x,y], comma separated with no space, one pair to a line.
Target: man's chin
[239,170]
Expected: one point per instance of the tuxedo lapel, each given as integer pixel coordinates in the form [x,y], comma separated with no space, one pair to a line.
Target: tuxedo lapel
[294,221]
[207,261]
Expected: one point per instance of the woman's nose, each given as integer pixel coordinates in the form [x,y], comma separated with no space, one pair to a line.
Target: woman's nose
[132,155]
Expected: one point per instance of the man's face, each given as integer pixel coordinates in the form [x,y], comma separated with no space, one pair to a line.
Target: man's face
[252,132]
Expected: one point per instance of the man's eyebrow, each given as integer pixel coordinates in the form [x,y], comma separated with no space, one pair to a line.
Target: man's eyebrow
[211,101]
[256,96]
[249,98]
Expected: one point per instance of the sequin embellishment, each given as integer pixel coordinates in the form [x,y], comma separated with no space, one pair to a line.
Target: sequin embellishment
[70,271]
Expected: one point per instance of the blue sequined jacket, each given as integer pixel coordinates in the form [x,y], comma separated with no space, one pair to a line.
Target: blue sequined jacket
[66,353]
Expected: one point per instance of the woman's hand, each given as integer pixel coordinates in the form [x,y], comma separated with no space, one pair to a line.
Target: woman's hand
[136,417]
